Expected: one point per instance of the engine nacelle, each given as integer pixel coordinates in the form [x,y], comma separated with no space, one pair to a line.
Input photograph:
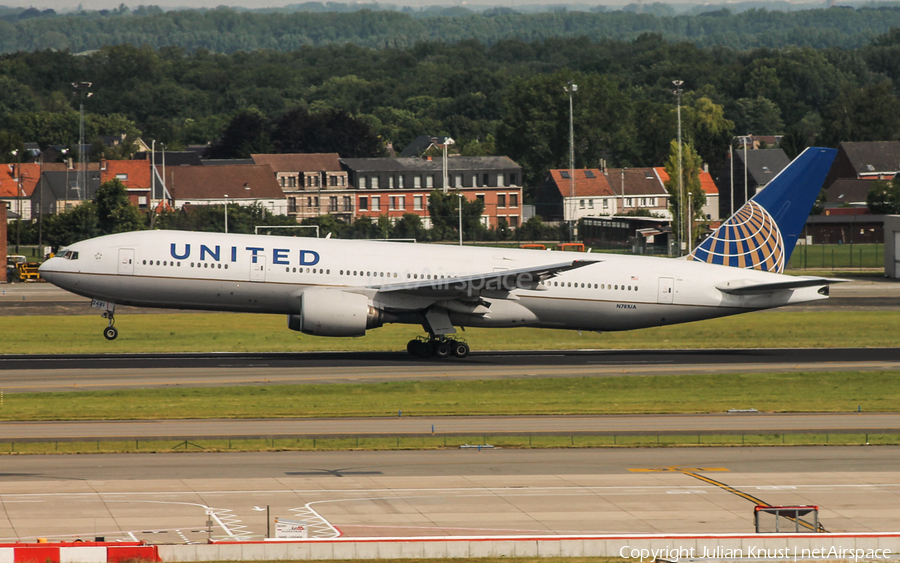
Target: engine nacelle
[333,312]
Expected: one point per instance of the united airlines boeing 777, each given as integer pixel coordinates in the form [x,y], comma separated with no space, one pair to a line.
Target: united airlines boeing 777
[330,287]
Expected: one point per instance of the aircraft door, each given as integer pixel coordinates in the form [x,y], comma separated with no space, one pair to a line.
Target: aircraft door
[666,290]
[126,261]
[258,269]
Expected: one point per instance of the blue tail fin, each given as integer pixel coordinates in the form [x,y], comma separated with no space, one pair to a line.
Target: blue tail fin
[762,234]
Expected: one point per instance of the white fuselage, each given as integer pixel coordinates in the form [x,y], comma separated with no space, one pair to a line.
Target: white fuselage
[266,274]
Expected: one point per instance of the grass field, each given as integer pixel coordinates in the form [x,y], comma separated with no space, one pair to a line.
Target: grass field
[836,256]
[429,442]
[768,392]
[231,332]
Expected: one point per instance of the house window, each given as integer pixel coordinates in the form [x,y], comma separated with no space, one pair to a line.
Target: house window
[513,221]
[417,181]
[400,181]
[590,204]
[142,201]
[121,176]
[512,179]
[376,203]
[390,182]
[283,181]
[348,203]
[362,183]
[581,204]
[417,202]
[392,202]
[629,202]
[292,205]
[292,182]
[401,202]
[332,203]
[429,181]
[605,204]
[485,179]
[363,203]
[501,200]
[514,200]
[480,197]
[499,180]
[457,182]
[374,182]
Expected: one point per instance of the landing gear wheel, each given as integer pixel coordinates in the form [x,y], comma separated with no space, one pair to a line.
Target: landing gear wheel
[441,349]
[460,349]
[411,347]
[110,332]
[424,349]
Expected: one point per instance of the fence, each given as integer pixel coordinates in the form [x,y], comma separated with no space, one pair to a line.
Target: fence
[837,256]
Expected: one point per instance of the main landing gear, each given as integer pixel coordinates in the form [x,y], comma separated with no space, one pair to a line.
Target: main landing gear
[438,347]
[110,332]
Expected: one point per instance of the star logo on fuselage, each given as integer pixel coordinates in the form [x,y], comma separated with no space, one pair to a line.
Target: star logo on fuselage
[98,256]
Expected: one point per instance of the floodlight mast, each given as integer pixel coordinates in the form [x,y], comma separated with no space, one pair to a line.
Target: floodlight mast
[82,91]
[678,91]
[571,88]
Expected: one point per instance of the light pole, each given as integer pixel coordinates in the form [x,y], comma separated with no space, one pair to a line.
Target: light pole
[678,91]
[690,221]
[447,142]
[226,214]
[744,139]
[66,191]
[459,196]
[18,196]
[82,91]
[731,176]
[571,88]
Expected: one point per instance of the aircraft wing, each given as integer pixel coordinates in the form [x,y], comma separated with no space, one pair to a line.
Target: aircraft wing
[492,284]
[746,287]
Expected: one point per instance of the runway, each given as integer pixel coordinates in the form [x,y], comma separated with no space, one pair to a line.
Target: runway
[23,373]
[165,498]
[481,426]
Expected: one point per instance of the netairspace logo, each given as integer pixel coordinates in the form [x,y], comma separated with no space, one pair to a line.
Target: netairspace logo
[673,554]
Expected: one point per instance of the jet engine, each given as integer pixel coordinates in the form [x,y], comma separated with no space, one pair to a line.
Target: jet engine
[333,312]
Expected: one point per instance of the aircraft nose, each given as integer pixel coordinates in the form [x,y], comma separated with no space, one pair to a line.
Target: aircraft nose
[47,269]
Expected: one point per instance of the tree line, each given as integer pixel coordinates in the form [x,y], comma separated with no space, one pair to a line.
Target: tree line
[505,98]
[228,30]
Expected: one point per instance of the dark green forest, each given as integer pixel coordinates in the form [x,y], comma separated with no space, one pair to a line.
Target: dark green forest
[226,30]
[502,97]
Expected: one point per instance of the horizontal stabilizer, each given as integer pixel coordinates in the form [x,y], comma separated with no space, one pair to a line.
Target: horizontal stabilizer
[747,287]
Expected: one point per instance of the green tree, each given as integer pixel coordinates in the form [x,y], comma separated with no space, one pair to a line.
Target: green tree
[115,213]
[690,168]
[884,197]
[870,113]
[444,212]
[76,224]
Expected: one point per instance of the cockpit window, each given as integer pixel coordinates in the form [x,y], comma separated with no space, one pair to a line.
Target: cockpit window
[70,255]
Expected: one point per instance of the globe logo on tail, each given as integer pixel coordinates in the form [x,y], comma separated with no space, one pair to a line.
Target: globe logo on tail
[749,239]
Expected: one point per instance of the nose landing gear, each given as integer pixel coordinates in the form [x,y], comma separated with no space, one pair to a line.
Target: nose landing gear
[438,347]
[110,332]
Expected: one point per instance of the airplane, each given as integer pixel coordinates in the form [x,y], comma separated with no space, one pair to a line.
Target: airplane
[342,288]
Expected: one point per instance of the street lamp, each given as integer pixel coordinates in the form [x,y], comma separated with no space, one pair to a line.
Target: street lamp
[678,91]
[66,191]
[18,196]
[447,142]
[690,240]
[460,196]
[571,89]
[226,214]
[82,91]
